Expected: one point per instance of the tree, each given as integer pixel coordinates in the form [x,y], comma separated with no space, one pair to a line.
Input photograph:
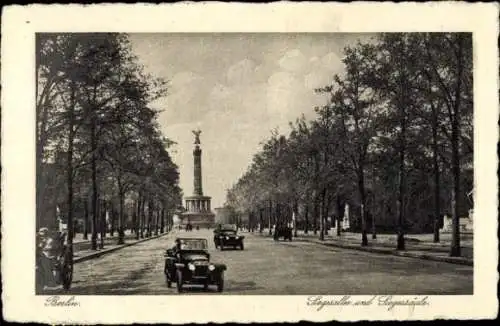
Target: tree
[451,71]
[401,96]
[92,110]
[353,103]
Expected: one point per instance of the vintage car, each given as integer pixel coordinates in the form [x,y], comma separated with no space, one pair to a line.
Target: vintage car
[227,236]
[282,231]
[188,263]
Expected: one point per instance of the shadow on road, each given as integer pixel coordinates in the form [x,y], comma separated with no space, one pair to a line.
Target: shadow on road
[235,286]
[231,286]
[232,249]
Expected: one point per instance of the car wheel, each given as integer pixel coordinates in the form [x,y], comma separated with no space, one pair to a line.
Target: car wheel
[179,281]
[220,282]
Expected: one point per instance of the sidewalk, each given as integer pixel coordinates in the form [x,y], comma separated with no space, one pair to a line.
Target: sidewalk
[78,238]
[416,245]
[110,245]
[80,244]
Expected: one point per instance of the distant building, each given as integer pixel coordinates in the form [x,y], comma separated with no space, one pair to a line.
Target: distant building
[223,215]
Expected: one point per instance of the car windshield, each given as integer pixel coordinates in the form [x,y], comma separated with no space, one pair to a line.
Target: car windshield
[228,227]
[193,244]
[229,231]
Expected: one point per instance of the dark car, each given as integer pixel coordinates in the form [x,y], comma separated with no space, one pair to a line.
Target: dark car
[283,231]
[188,262]
[228,237]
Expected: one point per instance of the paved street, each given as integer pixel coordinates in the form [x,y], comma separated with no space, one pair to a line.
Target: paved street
[268,267]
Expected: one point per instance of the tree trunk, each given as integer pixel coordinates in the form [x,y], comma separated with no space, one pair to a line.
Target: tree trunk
[86,219]
[157,220]
[150,218]
[306,217]
[327,213]
[261,224]
[437,183]
[401,203]
[270,214]
[112,216]
[402,169]
[69,171]
[455,136]
[93,141]
[121,231]
[374,231]
[170,221]
[103,223]
[277,214]
[143,216]
[315,215]
[138,218]
[340,213]
[40,149]
[134,218]
[295,215]
[163,216]
[362,194]
[322,215]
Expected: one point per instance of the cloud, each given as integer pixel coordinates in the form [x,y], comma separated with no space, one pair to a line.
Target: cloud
[293,61]
[241,72]
[331,61]
[317,79]
[185,78]
[287,99]
[220,92]
[236,96]
[322,70]
[282,88]
[185,101]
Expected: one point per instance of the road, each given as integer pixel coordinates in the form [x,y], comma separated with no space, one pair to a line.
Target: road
[268,267]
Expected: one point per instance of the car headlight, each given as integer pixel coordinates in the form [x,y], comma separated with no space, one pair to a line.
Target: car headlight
[211,267]
[191,267]
[237,237]
[227,238]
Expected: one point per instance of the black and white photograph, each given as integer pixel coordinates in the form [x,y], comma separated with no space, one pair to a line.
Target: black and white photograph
[324,151]
[326,165]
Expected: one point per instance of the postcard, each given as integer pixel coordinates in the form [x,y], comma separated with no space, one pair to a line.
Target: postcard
[228,162]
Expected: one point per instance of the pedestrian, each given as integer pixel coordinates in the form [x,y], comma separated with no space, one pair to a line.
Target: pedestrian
[49,248]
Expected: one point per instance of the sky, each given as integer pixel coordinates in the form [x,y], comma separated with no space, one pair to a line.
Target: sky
[235,88]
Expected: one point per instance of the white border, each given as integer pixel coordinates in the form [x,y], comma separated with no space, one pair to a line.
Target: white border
[18,27]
